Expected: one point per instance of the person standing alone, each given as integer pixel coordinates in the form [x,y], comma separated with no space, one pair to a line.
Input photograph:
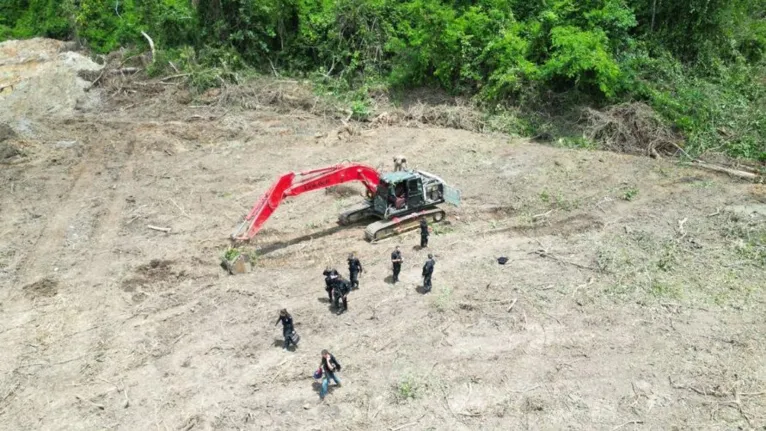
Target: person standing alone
[287,327]
[329,366]
[354,268]
[428,271]
[396,261]
[423,233]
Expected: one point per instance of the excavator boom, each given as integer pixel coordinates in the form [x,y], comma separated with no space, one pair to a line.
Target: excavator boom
[307,181]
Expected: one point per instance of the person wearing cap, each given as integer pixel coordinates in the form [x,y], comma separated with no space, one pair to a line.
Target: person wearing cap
[287,326]
[396,261]
[330,366]
[428,270]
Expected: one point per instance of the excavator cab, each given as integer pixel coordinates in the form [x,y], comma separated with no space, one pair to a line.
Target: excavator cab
[398,193]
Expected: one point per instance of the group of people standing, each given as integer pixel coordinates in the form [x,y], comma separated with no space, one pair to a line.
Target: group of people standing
[337,290]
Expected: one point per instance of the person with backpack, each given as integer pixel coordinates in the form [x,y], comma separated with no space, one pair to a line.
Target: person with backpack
[329,366]
[287,328]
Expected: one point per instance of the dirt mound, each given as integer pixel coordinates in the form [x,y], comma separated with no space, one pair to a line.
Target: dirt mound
[38,78]
[45,288]
[157,273]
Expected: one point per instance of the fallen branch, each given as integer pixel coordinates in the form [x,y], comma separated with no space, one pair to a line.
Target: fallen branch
[99,406]
[717,212]
[408,424]
[586,284]
[733,172]
[124,70]
[546,214]
[510,307]
[151,44]
[544,253]
[11,392]
[161,229]
[681,230]
[125,392]
[691,388]
[180,75]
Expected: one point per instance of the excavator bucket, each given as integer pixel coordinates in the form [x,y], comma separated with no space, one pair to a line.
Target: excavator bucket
[451,195]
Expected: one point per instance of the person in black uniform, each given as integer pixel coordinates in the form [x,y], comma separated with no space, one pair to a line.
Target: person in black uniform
[428,270]
[396,260]
[423,233]
[354,268]
[340,291]
[287,326]
[330,275]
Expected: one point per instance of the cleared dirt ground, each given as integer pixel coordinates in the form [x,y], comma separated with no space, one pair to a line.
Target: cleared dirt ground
[632,299]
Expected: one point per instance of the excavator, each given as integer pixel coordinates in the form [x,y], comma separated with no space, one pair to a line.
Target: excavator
[397,199]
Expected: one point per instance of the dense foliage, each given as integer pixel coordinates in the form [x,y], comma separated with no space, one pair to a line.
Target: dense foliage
[697,62]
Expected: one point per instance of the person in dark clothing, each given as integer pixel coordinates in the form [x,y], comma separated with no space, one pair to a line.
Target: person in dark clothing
[330,366]
[428,270]
[330,275]
[287,326]
[396,260]
[341,288]
[423,233]
[354,268]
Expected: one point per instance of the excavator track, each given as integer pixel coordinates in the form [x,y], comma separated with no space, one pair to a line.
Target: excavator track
[387,228]
[356,213]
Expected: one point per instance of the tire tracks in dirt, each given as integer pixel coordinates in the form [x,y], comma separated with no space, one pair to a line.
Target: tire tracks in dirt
[108,227]
[53,236]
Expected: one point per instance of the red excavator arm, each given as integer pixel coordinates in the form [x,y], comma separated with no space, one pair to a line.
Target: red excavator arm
[307,181]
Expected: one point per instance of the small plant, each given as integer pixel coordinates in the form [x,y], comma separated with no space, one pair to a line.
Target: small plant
[630,194]
[444,301]
[359,110]
[661,289]
[231,254]
[667,260]
[545,196]
[407,389]
[442,229]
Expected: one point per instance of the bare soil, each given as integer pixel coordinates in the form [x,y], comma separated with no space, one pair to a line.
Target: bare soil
[632,298]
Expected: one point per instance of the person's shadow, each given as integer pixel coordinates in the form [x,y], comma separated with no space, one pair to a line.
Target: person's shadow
[324,300]
[389,279]
[280,342]
[317,386]
[421,289]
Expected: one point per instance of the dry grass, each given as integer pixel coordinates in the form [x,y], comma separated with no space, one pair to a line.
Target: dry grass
[632,128]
